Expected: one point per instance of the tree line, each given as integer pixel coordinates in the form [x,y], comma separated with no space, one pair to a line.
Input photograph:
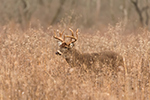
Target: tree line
[82,12]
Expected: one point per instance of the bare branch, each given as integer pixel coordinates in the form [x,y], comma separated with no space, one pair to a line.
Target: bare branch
[145,8]
[135,3]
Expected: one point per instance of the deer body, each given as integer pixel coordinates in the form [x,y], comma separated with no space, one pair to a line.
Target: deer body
[93,61]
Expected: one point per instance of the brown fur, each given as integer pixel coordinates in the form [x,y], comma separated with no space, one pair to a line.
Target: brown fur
[93,61]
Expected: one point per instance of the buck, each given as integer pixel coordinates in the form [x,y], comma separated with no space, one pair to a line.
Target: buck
[93,61]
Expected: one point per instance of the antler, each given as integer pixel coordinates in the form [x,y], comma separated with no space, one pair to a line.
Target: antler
[72,37]
[67,36]
[60,36]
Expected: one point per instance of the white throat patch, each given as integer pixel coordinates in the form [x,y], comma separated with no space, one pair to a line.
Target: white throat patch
[59,43]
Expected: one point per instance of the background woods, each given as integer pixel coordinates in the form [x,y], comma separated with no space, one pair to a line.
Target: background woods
[30,69]
[86,13]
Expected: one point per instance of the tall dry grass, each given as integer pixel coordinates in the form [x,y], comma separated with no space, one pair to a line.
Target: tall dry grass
[30,70]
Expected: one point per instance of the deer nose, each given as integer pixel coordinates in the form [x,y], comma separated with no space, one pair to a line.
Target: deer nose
[58,53]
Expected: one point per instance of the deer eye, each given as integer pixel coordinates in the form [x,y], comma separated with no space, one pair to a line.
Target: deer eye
[71,45]
[65,47]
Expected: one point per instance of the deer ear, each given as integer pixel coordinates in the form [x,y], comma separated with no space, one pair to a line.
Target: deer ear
[59,43]
[71,45]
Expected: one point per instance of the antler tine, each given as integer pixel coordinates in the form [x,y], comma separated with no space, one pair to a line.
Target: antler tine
[71,31]
[61,33]
[72,34]
[59,38]
[72,37]
[77,33]
[64,35]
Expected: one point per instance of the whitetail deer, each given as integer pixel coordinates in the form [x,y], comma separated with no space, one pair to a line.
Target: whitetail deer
[90,61]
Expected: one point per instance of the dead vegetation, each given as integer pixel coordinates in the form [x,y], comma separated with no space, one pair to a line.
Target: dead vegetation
[29,68]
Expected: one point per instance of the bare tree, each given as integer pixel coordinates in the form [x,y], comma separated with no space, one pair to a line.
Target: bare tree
[98,6]
[58,11]
[147,14]
[125,12]
[25,14]
[140,11]
[111,9]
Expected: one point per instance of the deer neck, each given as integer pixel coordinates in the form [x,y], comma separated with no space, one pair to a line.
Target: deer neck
[74,57]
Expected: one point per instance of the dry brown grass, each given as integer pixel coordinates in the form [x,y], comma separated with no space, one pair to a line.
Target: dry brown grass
[30,70]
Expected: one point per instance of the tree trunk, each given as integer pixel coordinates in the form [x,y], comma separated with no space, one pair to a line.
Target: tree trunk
[125,12]
[98,6]
[58,11]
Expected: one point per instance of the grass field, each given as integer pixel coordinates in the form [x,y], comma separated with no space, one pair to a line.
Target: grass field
[30,70]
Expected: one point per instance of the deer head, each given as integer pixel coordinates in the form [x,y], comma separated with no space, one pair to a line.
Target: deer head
[65,47]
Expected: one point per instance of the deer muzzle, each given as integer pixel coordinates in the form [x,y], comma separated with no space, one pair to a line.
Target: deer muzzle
[58,53]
